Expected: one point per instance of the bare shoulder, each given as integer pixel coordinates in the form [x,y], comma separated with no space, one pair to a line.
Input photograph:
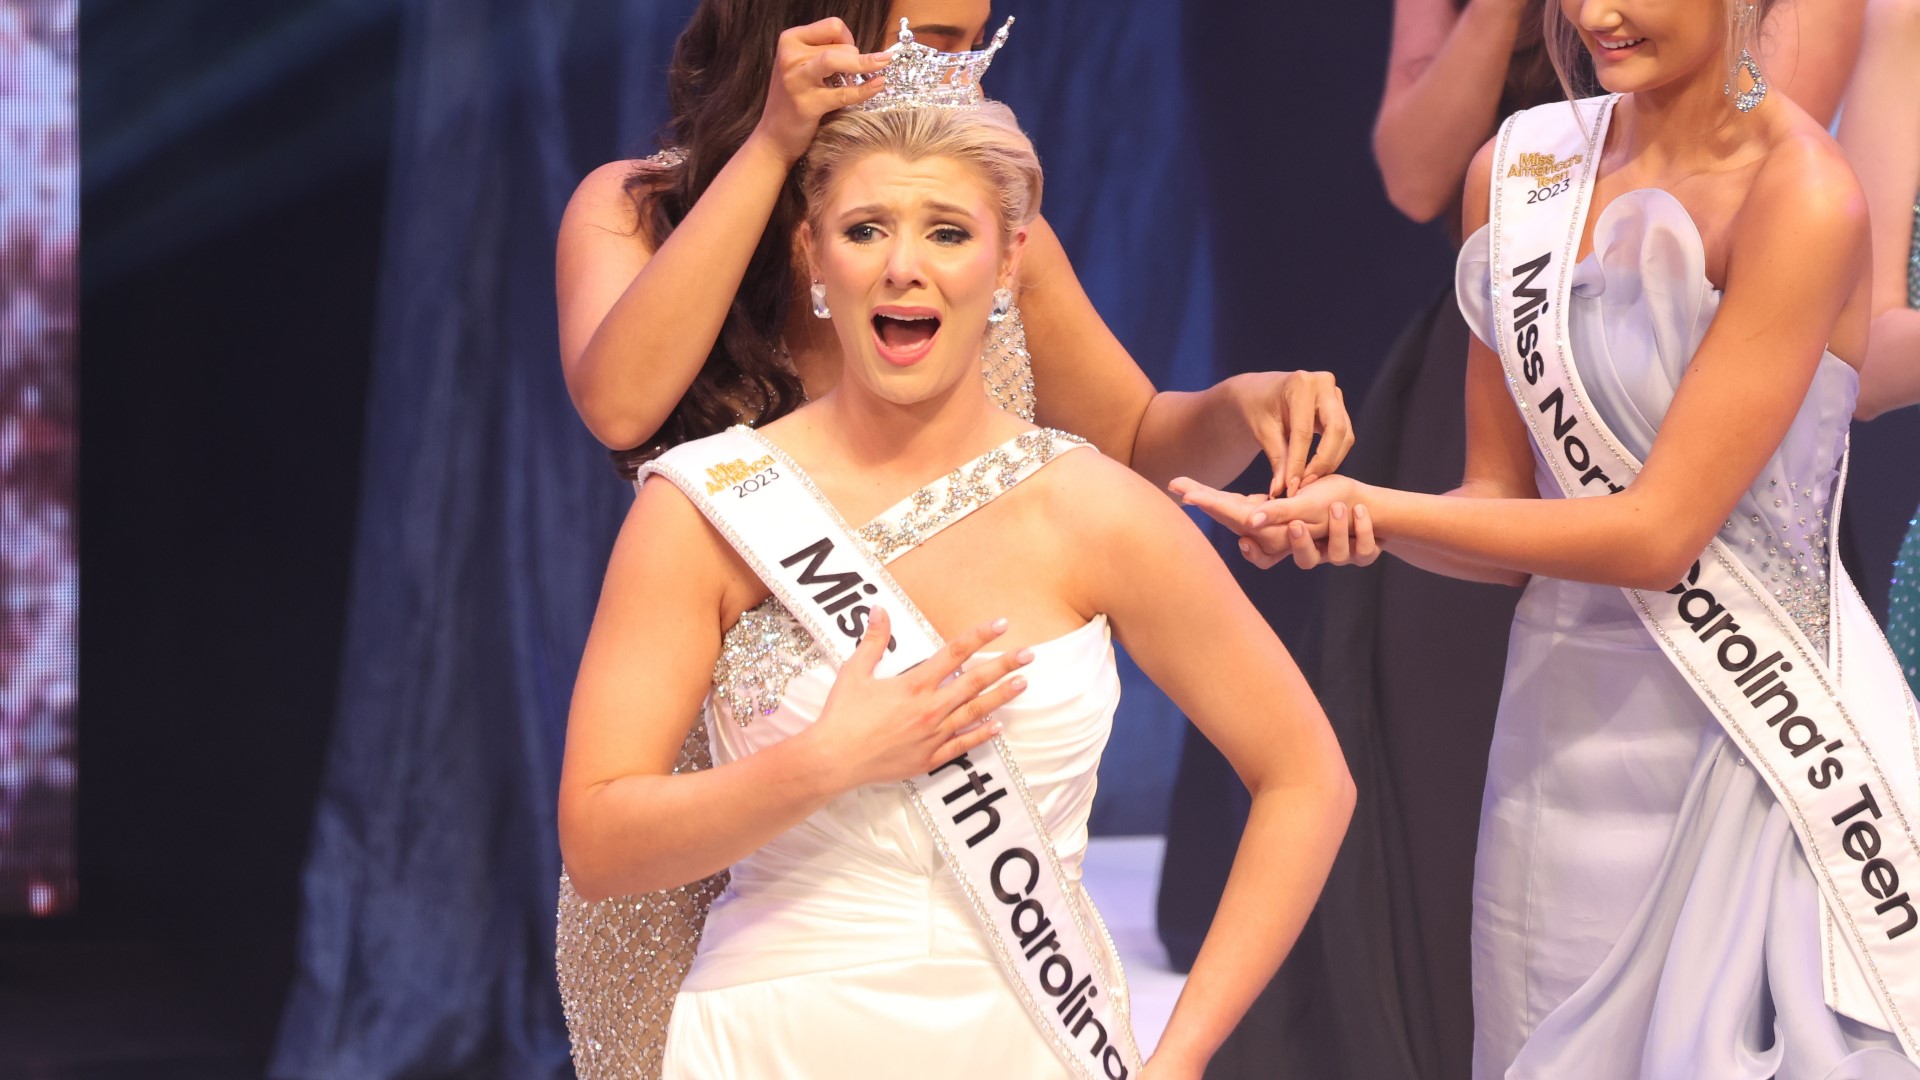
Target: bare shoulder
[1805,184]
[1091,496]
[666,537]
[603,201]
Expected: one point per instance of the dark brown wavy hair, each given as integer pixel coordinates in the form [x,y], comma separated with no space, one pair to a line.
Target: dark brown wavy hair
[716,88]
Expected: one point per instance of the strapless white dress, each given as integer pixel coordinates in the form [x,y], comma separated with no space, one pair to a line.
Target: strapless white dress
[845,948]
[1641,906]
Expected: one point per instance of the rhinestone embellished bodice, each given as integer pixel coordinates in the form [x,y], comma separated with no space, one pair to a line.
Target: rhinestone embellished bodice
[762,652]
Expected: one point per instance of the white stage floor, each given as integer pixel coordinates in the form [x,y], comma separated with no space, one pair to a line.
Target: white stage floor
[1123,877]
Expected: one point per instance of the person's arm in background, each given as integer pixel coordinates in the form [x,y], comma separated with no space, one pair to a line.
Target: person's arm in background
[1880,131]
[1445,72]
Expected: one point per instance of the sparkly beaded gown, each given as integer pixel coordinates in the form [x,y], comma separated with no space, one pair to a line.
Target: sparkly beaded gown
[845,947]
[1903,600]
[1641,905]
[621,961]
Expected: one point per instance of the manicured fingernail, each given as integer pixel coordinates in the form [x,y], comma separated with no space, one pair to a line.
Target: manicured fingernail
[999,626]
[1257,520]
[1024,656]
[1360,511]
[1245,547]
[1298,529]
[1018,682]
[1295,482]
[994,727]
[1339,512]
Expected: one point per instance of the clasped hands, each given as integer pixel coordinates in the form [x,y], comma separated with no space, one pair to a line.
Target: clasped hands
[1325,521]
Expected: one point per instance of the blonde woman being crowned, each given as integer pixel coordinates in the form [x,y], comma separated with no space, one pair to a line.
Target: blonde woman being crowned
[894,611]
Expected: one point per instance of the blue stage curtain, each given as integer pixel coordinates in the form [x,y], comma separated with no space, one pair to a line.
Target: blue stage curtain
[487,511]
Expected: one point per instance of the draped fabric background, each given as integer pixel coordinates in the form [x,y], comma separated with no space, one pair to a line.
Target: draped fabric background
[487,510]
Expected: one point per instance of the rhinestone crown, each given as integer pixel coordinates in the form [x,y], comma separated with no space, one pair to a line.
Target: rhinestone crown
[921,77]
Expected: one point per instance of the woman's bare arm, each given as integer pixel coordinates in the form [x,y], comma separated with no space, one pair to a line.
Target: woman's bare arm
[1808,49]
[1444,77]
[637,323]
[1880,132]
[1795,282]
[1185,621]
[1086,382]
[627,823]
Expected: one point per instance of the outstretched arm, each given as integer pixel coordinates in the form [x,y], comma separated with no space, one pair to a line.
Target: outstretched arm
[1187,624]
[1795,281]
[1087,383]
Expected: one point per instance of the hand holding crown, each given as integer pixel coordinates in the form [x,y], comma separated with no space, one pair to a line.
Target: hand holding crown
[817,69]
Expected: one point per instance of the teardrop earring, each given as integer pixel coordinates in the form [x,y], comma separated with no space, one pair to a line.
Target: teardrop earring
[819,294]
[1002,303]
[1751,98]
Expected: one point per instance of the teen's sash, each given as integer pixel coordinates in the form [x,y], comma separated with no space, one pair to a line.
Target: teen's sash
[976,806]
[1832,733]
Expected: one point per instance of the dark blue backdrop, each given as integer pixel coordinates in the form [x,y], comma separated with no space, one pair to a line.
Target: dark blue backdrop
[1208,170]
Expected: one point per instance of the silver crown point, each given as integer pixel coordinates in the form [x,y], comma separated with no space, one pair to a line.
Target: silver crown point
[920,77]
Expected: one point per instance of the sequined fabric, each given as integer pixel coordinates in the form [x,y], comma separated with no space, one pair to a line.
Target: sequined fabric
[939,504]
[1794,565]
[1903,599]
[621,961]
[761,654]
[763,651]
[1903,606]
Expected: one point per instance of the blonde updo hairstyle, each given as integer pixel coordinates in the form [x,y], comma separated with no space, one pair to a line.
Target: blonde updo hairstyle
[985,138]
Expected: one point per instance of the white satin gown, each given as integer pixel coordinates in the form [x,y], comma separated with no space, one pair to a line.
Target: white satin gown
[1642,910]
[845,948]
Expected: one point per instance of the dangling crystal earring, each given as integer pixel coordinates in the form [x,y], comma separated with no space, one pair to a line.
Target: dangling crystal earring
[819,294]
[1751,98]
[1757,93]
[1002,303]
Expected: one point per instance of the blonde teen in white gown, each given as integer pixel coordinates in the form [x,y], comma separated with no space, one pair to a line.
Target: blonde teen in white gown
[843,948]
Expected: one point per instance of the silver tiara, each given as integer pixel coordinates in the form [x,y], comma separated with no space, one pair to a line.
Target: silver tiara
[921,77]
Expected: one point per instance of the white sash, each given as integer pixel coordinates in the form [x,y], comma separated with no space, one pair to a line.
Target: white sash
[976,806]
[1833,735]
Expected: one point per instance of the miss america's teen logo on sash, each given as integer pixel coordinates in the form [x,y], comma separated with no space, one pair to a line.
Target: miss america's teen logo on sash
[1550,175]
[745,477]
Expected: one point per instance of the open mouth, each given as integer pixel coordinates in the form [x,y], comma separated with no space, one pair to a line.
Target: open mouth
[905,335]
[1622,45]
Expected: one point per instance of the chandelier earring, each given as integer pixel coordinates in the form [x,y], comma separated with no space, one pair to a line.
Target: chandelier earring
[1749,99]
[1002,304]
[819,295]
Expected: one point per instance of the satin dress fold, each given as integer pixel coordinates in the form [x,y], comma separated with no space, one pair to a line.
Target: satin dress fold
[1642,910]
